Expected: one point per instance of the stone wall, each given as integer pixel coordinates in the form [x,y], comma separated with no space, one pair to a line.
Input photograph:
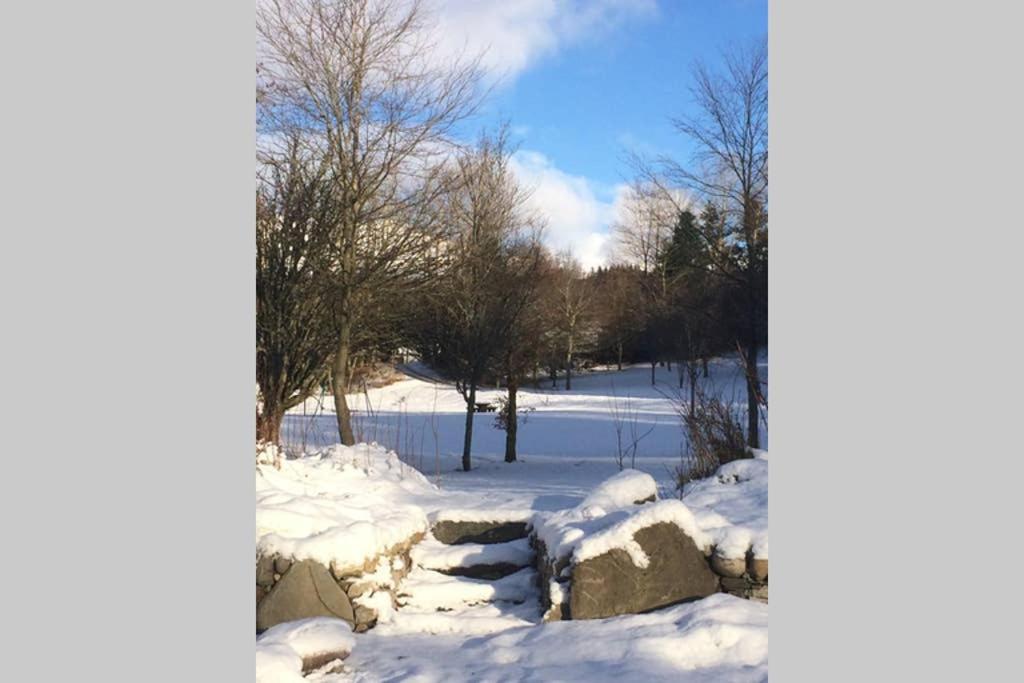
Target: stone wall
[287,590]
[743,577]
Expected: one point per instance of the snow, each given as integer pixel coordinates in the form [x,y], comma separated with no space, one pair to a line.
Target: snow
[345,505]
[566,445]
[485,514]
[432,554]
[348,505]
[280,650]
[430,589]
[625,488]
[727,511]
[732,506]
[472,620]
[587,531]
[380,602]
[720,638]
[620,534]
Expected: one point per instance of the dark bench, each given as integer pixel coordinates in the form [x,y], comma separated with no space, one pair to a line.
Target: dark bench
[485,407]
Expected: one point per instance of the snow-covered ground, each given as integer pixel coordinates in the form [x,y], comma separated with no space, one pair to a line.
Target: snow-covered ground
[347,504]
[567,439]
[720,639]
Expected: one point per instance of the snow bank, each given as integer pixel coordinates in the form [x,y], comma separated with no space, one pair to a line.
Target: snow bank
[728,510]
[608,518]
[625,488]
[281,649]
[720,638]
[732,506]
[345,505]
[620,533]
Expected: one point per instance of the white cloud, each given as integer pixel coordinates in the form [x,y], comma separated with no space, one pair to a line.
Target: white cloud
[577,218]
[517,33]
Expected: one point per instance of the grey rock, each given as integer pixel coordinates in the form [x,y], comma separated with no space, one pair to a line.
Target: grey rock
[281,565]
[265,571]
[484,571]
[730,567]
[356,590]
[758,569]
[610,584]
[311,663]
[736,586]
[307,590]
[454,533]
[365,615]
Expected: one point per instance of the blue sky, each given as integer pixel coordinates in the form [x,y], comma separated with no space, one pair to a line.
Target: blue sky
[580,81]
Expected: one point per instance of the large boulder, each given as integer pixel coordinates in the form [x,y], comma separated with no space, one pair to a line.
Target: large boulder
[612,584]
[306,590]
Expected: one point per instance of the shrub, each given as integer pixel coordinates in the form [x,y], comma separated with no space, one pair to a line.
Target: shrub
[714,436]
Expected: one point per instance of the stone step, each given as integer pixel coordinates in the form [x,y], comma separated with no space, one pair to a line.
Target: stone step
[508,525]
[431,590]
[472,620]
[475,560]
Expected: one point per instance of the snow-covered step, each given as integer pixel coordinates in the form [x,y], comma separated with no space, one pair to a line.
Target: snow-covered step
[428,589]
[474,620]
[477,560]
[494,525]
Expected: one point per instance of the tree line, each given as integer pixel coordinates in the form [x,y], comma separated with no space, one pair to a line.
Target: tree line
[379,228]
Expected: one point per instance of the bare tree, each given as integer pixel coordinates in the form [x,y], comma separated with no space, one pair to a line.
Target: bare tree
[490,263]
[644,231]
[619,309]
[644,236]
[729,170]
[294,216]
[573,301]
[361,75]
[524,343]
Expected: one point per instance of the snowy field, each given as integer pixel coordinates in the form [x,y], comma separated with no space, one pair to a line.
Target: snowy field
[567,439]
[348,504]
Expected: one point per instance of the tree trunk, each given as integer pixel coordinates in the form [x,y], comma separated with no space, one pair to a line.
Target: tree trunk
[268,424]
[653,365]
[512,421]
[679,368]
[568,366]
[693,391]
[704,362]
[753,391]
[339,380]
[467,443]
[620,357]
